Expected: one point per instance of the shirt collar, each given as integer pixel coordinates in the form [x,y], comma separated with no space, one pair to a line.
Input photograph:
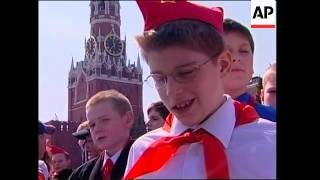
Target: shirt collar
[114,158]
[220,124]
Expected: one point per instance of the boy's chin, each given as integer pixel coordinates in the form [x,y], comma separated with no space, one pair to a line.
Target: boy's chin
[102,147]
[187,121]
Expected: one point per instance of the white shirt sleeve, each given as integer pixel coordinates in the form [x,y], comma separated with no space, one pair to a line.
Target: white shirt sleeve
[43,169]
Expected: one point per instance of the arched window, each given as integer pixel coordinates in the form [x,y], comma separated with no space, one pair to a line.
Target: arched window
[92,10]
[101,5]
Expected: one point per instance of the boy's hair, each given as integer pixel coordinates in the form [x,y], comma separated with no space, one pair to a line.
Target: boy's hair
[230,25]
[271,72]
[191,34]
[120,102]
[159,107]
[67,156]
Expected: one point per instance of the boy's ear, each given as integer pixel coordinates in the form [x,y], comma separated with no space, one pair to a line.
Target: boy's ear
[129,119]
[224,61]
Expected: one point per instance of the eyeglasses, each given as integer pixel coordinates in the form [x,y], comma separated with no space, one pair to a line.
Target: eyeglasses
[180,75]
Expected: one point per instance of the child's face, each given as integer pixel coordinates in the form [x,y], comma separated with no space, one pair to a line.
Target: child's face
[242,63]
[155,120]
[109,130]
[201,91]
[91,148]
[270,92]
[60,162]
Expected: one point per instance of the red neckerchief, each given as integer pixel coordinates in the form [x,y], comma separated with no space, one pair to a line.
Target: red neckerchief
[41,176]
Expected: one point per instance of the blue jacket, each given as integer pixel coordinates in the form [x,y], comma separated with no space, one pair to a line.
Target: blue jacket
[265,112]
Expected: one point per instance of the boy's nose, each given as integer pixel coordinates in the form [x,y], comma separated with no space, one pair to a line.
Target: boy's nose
[173,87]
[235,59]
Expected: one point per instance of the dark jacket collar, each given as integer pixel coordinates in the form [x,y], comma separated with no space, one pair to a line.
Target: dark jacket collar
[118,168]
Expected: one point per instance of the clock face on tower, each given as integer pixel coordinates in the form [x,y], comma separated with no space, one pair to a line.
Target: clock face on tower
[90,47]
[113,45]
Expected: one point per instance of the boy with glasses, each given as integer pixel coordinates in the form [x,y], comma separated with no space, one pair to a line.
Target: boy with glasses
[207,135]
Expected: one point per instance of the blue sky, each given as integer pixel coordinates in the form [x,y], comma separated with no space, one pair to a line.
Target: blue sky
[63,26]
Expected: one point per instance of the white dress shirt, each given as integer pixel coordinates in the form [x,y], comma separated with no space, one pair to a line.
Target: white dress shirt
[250,148]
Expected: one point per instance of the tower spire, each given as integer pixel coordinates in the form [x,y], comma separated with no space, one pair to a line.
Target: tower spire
[139,68]
[124,50]
[85,49]
[72,66]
